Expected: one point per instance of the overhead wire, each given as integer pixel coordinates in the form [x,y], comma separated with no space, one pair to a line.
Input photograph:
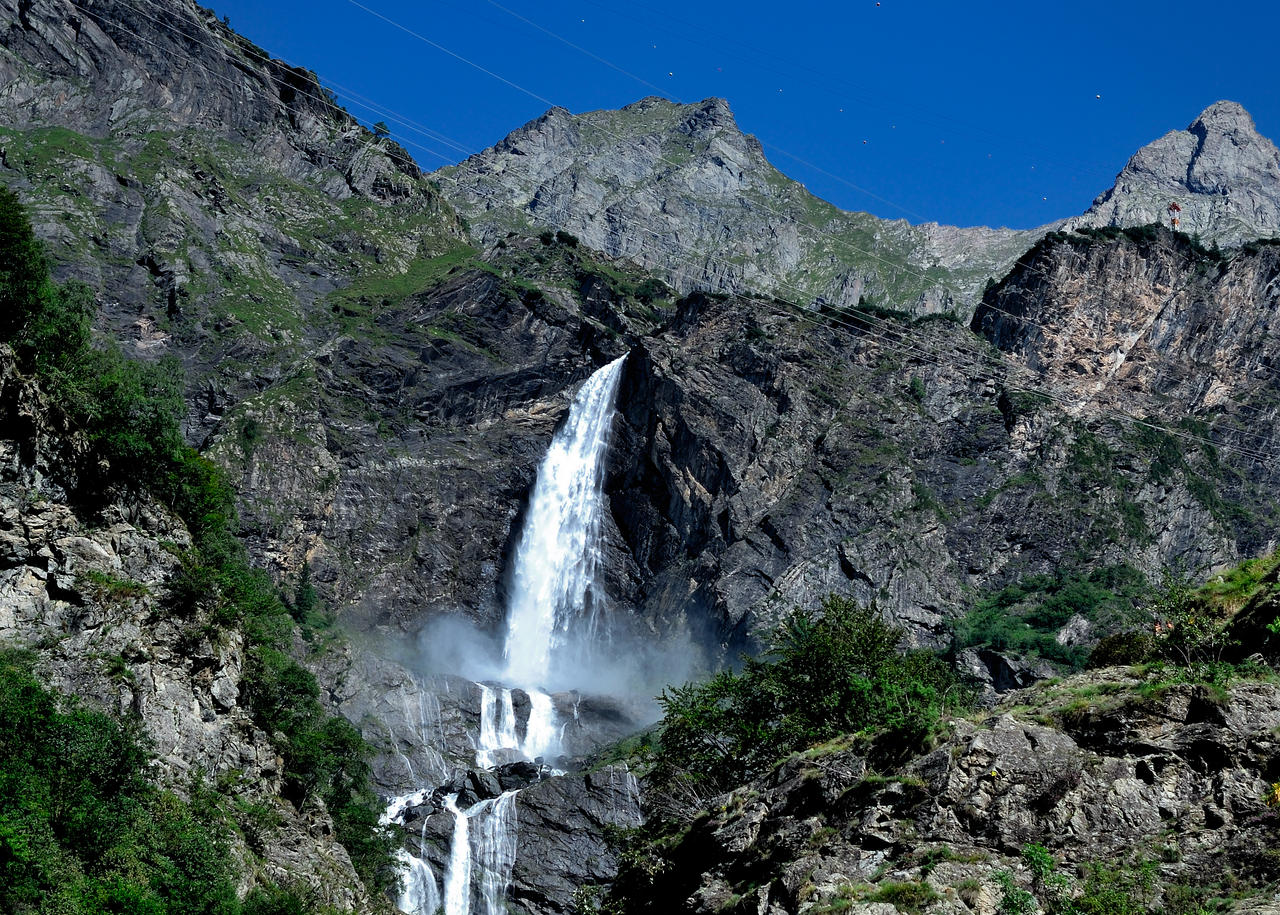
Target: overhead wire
[826,82]
[415,127]
[902,344]
[866,325]
[805,293]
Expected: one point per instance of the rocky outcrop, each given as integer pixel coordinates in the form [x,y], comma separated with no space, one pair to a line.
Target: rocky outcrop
[88,595]
[775,457]
[1108,777]
[1221,172]
[680,190]
[1152,327]
[387,429]
[1143,321]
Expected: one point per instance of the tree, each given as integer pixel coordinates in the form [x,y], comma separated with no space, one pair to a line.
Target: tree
[837,670]
[304,596]
[381,130]
[24,270]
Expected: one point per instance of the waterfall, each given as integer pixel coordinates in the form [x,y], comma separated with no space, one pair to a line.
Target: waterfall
[495,852]
[498,726]
[457,882]
[553,617]
[419,894]
[489,850]
[540,735]
[559,552]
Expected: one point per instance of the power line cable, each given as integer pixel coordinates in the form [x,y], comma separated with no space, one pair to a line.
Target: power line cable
[865,323]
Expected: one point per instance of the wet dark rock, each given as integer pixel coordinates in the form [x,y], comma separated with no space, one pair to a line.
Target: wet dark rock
[484,784]
[565,823]
[519,774]
[562,824]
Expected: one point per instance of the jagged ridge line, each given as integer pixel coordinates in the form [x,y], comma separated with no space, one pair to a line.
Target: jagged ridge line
[252,53]
[797,223]
[901,345]
[933,118]
[611,230]
[839,241]
[1243,407]
[671,96]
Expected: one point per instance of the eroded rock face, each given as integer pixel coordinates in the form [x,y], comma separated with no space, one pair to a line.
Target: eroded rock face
[212,195]
[768,460]
[1154,329]
[1223,174]
[1179,774]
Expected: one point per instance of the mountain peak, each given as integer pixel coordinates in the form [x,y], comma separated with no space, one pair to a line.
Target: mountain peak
[1223,174]
[1223,117]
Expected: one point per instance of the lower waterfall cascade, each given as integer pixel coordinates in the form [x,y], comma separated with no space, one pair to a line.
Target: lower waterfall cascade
[553,620]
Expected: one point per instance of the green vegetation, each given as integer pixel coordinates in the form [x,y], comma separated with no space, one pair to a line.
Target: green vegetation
[130,413]
[1193,631]
[82,830]
[376,289]
[1110,888]
[909,897]
[1087,235]
[837,671]
[1026,616]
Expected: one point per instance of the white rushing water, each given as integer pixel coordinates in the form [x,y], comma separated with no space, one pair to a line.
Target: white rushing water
[498,738]
[495,850]
[553,618]
[457,882]
[497,726]
[481,857]
[419,891]
[559,550]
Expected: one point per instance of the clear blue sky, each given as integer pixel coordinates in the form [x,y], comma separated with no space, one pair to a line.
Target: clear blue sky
[972,113]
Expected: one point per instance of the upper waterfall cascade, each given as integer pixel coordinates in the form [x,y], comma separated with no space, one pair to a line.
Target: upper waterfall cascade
[554,609]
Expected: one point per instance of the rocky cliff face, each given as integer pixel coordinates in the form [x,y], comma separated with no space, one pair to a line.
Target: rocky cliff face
[214,195]
[89,594]
[1222,173]
[776,461]
[384,394]
[1145,321]
[1088,769]
[679,189]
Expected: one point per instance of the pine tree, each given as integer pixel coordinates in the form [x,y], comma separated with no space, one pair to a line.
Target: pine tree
[304,596]
[24,270]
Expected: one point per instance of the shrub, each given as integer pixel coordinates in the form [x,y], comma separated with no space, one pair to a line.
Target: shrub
[82,830]
[24,271]
[837,671]
[1026,615]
